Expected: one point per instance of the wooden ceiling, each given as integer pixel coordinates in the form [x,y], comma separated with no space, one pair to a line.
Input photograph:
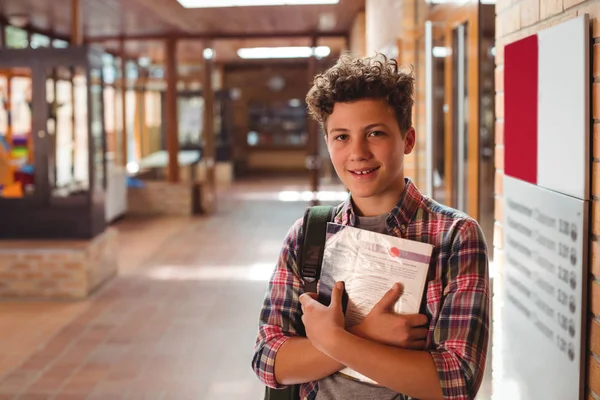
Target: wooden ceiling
[144,22]
[189,51]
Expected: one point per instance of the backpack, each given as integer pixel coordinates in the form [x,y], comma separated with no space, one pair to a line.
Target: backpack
[310,257]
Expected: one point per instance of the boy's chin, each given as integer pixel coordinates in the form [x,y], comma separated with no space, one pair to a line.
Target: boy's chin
[362,191]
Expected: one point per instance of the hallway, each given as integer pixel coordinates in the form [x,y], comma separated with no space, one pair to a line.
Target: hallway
[179,322]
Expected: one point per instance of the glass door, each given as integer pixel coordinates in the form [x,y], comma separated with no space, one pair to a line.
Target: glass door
[98,144]
[56,143]
[17,174]
[74,132]
[451,54]
[66,128]
[460,128]
[487,117]
[436,107]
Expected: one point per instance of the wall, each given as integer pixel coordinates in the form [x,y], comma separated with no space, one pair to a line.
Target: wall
[391,27]
[163,198]
[358,43]
[515,20]
[67,270]
[383,24]
[282,160]
[251,81]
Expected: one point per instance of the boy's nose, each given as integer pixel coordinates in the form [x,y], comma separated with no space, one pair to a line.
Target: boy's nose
[360,151]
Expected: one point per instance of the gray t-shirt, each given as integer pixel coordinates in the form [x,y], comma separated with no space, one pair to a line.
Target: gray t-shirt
[339,386]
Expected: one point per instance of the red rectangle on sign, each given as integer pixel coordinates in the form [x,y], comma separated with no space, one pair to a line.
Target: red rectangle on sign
[520,109]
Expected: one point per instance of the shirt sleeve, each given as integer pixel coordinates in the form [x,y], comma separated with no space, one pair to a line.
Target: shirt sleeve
[280,316]
[460,337]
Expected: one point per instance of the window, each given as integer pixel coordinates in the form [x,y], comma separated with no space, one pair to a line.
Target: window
[16,38]
[60,44]
[109,68]
[281,123]
[38,41]
[16,156]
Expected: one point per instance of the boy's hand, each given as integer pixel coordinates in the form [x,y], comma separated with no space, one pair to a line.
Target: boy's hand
[322,322]
[385,326]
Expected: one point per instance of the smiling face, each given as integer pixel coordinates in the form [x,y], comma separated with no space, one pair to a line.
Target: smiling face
[367,150]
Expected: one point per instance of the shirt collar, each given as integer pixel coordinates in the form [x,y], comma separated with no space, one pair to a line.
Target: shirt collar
[402,214]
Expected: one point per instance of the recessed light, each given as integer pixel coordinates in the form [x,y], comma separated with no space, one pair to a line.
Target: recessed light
[250,3]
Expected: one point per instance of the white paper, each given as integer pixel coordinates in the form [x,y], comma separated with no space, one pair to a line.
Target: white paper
[370,263]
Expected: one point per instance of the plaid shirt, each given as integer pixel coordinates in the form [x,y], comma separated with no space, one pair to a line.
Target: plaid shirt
[456,300]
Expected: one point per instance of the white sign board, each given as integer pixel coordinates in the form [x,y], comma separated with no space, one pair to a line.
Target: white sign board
[542,326]
[563,107]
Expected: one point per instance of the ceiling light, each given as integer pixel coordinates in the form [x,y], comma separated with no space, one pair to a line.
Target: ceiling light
[144,62]
[441,52]
[283,52]
[208,53]
[248,3]
[133,167]
[322,51]
[327,21]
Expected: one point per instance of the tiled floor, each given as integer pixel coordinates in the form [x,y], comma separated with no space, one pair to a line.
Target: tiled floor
[178,322]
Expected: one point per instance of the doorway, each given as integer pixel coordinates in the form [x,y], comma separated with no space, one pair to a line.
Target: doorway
[457,50]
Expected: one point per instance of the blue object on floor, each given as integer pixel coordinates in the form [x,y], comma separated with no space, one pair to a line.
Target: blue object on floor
[134,183]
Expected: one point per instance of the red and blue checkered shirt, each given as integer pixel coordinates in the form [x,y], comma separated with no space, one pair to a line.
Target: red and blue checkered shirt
[456,300]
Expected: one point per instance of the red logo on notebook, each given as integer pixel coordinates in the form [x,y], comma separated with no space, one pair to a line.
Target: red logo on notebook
[395,252]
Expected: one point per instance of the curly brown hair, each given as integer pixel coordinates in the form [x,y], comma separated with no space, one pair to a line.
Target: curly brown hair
[353,78]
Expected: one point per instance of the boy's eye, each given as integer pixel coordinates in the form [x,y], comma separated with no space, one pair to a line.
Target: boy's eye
[341,137]
[377,133]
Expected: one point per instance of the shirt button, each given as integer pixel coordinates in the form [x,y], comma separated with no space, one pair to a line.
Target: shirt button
[403,228]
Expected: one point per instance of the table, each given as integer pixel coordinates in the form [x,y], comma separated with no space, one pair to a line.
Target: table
[160,160]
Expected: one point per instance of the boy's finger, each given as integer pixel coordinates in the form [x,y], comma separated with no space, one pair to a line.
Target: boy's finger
[417,319]
[416,345]
[336,294]
[419,333]
[312,295]
[306,299]
[389,298]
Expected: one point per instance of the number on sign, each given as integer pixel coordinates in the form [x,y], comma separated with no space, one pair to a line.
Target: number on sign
[563,250]
[563,274]
[563,227]
[562,343]
[562,297]
[562,321]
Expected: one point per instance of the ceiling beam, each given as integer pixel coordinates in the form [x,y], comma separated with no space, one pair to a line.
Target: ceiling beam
[216,36]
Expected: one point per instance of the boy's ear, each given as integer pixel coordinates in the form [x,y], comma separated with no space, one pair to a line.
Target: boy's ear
[409,141]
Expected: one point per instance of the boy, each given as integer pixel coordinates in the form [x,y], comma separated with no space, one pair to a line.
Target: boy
[365,109]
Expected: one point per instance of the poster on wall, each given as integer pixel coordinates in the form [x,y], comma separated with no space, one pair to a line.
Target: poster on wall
[541,329]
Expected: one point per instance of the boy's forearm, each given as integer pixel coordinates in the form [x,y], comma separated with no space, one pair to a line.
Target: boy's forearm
[298,361]
[409,372]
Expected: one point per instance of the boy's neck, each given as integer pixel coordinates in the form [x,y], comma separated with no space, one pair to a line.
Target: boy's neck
[380,204]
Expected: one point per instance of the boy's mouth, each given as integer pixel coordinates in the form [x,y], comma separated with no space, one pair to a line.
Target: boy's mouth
[364,172]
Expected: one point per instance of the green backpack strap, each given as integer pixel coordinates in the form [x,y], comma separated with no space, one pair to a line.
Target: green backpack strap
[314,228]
[289,393]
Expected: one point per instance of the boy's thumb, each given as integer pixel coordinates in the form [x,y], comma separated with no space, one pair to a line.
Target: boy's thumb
[336,294]
[390,298]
